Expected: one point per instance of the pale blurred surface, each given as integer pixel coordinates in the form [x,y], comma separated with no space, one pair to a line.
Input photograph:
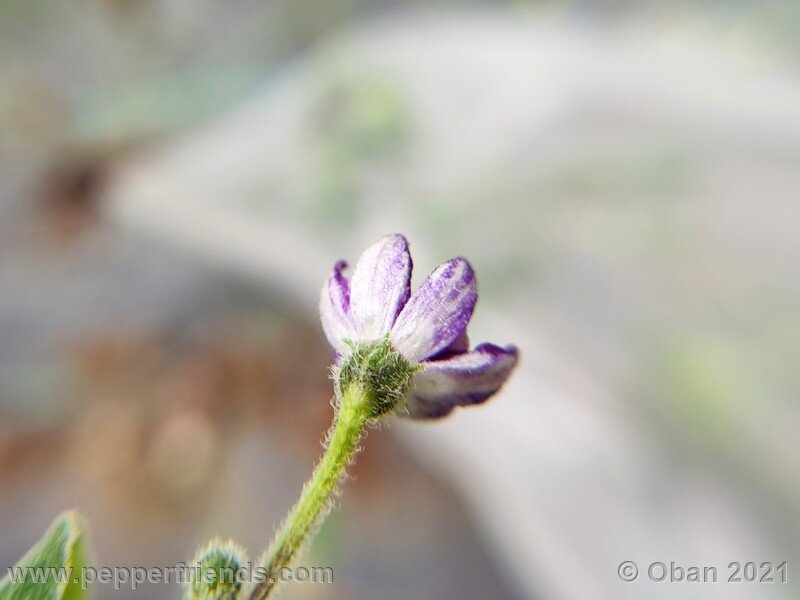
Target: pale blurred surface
[178,179]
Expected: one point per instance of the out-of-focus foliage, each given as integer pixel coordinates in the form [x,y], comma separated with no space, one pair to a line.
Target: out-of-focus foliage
[53,569]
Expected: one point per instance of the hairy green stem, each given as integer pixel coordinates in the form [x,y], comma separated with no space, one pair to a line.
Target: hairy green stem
[355,407]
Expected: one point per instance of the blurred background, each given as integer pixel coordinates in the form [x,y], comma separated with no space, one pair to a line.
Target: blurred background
[178,178]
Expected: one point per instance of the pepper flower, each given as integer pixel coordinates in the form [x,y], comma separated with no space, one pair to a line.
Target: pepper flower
[427,328]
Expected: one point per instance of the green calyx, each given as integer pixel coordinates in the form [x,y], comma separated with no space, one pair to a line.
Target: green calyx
[216,572]
[380,370]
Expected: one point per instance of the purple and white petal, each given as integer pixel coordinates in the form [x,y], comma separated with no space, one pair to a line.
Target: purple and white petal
[334,308]
[380,287]
[438,312]
[464,379]
[460,345]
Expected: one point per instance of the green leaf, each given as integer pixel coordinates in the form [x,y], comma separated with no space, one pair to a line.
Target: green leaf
[53,568]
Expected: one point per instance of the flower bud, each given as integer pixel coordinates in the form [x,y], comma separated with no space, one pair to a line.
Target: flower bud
[217,572]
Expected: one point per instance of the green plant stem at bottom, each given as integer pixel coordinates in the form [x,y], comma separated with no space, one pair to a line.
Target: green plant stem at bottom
[354,412]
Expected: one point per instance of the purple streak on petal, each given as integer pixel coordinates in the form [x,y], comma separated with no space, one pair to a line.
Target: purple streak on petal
[380,286]
[334,308]
[460,345]
[438,312]
[461,380]
[339,286]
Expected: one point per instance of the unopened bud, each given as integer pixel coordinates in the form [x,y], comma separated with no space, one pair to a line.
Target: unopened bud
[217,572]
